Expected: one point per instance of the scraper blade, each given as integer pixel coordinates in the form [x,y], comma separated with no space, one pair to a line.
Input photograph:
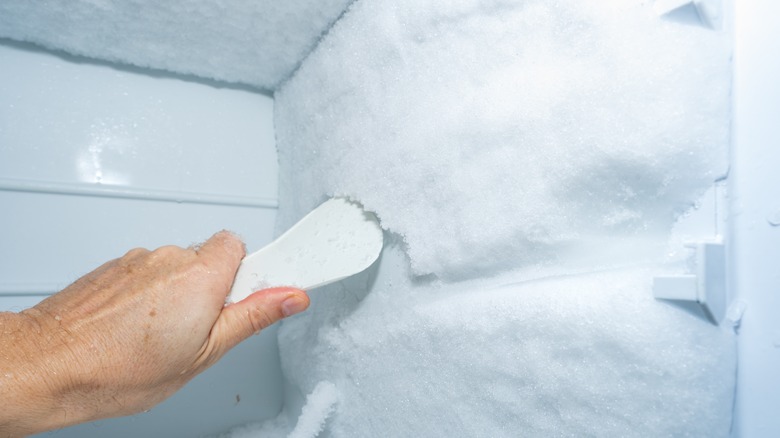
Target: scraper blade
[334,241]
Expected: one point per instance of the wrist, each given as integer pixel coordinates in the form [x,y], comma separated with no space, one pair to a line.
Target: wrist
[33,377]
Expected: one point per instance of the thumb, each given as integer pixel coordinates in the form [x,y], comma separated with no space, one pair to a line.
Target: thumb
[254,313]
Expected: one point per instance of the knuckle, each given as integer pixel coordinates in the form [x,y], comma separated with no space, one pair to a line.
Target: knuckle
[169,255]
[132,260]
[259,319]
[168,251]
[135,253]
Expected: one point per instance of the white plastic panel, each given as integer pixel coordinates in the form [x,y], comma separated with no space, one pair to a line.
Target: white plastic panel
[99,133]
[755,216]
[88,123]
[49,240]
[95,161]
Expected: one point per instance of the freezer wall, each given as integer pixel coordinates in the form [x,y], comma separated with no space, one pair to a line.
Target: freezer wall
[529,161]
[95,161]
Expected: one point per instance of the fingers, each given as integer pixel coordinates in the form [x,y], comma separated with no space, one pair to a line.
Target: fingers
[241,320]
[223,246]
[222,254]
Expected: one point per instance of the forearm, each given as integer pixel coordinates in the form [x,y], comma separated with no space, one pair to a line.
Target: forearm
[128,335]
[32,397]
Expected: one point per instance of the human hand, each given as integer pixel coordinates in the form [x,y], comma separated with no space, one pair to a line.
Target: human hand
[131,333]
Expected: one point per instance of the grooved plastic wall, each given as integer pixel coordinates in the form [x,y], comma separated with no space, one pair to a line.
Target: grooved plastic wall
[95,161]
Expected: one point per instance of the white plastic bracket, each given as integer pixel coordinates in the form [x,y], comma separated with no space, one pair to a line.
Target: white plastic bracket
[707,12]
[706,285]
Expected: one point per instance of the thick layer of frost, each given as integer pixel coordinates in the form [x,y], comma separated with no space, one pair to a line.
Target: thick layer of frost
[492,134]
[520,150]
[256,42]
[582,355]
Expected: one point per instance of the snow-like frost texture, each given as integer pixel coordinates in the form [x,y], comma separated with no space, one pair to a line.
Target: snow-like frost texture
[257,42]
[492,134]
[582,355]
[320,404]
[521,151]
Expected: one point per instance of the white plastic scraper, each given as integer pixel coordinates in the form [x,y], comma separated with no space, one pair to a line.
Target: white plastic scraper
[334,241]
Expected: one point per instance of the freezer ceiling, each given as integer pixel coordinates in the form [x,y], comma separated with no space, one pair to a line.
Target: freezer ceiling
[256,43]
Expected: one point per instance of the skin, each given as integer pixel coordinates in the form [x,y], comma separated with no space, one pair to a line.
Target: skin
[128,335]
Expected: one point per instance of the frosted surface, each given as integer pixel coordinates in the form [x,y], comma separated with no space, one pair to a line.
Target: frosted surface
[495,134]
[320,404]
[582,355]
[528,160]
[257,42]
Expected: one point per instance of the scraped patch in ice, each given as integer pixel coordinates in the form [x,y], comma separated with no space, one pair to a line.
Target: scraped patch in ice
[320,405]
[277,427]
